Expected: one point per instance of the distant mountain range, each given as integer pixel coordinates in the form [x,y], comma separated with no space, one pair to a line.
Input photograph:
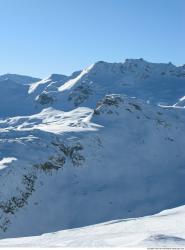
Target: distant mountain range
[20,79]
[157,83]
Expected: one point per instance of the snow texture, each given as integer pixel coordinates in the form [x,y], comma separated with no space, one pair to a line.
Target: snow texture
[165,229]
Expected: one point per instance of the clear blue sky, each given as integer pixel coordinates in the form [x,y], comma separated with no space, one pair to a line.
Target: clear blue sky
[39,37]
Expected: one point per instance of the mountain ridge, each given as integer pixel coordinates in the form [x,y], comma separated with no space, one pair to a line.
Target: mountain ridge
[22,79]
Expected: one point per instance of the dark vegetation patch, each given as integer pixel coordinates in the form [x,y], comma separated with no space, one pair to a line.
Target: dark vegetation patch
[72,152]
[14,203]
[45,99]
[80,94]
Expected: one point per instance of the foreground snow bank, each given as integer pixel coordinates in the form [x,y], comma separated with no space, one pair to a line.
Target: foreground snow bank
[165,229]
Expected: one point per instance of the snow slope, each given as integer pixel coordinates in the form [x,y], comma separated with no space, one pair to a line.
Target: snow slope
[70,172]
[165,229]
[76,150]
[14,99]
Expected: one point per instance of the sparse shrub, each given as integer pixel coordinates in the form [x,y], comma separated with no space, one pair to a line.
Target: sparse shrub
[53,164]
[72,152]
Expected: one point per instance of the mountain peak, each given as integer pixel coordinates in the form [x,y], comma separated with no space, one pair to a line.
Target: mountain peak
[130,66]
[57,77]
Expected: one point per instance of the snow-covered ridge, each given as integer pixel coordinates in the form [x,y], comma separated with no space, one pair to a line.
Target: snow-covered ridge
[19,78]
[53,78]
[69,84]
[157,83]
[154,82]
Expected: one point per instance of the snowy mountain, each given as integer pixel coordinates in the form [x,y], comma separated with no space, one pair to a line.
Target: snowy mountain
[157,83]
[14,99]
[165,229]
[91,147]
[19,78]
[153,82]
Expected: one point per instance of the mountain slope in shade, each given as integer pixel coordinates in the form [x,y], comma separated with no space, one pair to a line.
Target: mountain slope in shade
[61,170]
[14,99]
[165,229]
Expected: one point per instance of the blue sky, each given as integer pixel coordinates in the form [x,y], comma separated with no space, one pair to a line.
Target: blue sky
[40,37]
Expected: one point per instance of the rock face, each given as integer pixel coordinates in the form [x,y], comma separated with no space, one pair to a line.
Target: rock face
[102,155]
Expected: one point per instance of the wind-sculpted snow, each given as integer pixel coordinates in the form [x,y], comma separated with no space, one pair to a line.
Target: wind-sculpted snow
[50,120]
